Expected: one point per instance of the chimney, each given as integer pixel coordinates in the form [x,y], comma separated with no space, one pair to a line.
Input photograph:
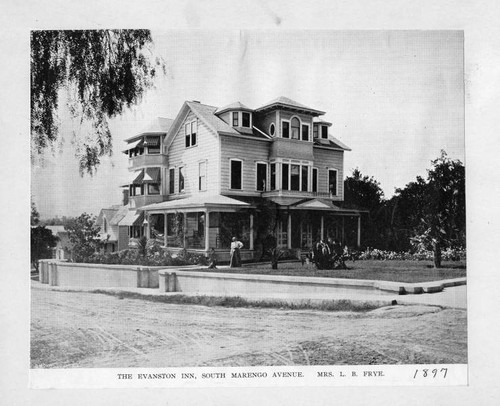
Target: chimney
[125,197]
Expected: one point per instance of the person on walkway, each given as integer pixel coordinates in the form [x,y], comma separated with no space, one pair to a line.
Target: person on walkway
[235,260]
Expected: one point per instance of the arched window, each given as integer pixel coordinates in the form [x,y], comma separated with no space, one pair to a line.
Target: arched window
[295,124]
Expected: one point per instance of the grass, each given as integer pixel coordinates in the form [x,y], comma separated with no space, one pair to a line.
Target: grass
[393,271]
[237,301]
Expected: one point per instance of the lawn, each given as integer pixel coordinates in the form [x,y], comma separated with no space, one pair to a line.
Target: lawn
[394,271]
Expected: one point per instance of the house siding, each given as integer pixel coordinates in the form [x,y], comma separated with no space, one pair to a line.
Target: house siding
[250,152]
[206,149]
[327,159]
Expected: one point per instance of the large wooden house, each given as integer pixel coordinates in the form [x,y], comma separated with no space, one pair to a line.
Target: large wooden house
[213,173]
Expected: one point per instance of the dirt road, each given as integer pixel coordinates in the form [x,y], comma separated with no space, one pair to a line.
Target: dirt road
[77,329]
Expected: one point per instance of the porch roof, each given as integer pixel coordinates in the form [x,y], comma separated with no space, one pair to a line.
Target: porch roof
[313,204]
[132,218]
[198,201]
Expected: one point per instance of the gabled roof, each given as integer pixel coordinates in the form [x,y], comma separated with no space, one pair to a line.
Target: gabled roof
[233,106]
[160,125]
[286,103]
[317,120]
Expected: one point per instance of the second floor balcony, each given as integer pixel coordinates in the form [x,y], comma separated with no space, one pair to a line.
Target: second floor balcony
[140,161]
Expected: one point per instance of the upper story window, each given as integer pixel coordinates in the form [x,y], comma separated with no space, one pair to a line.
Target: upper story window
[171,180]
[236,173]
[261,181]
[305,132]
[315,180]
[191,130]
[104,225]
[272,129]
[245,119]
[294,176]
[153,145]
[236,119]
[181,179]
[332,182]
[202,175]
[315,131]
[273,176]
[285,129]
[295,128]
[324,131]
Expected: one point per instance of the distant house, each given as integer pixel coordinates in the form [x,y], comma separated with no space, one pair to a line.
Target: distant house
[204,176]
[114,237]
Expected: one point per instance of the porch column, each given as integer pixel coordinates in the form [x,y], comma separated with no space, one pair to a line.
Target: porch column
[359,231]
[251,231]
[343,230]
[147,228]
[322,227]
[165,229]
[184,229]
[207,230]
[289,232]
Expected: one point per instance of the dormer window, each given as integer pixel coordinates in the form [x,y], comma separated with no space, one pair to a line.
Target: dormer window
[245,119]
[236,119]
[324,132]
[153,144]
[285,129]
[315,131]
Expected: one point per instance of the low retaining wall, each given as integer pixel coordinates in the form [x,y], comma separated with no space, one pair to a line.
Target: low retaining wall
[234,284]
[57,273]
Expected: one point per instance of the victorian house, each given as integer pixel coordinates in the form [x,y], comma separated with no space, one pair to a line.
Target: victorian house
[213,173]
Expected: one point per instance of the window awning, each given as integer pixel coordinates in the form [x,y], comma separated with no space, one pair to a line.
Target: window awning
[132,145]
[136,178]
[152,175]
[132,218]
[152,141]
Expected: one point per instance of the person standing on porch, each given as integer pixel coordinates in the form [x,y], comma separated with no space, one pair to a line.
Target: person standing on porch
[235,260]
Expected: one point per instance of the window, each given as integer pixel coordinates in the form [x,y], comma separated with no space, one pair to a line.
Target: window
[273,176]
[236,122]
[153,144]
[324,132]
[285,132]
[294,177]
[332,182]
[202,175]
[153,188]
[272,129]
[181,179]
[315,180]
[305,178]
[315,131]
[284,176]
[104,225]
[295,128]
[283,232]
[190,130]
[171,180]
[305,132]
[245,119]
[261,177]
[235,174]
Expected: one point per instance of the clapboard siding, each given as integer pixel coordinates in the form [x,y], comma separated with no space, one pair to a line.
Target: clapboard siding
[206,149]
[327,159]
[249,152]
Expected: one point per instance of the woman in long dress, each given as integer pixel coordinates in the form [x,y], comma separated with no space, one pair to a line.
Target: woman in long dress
[235,260]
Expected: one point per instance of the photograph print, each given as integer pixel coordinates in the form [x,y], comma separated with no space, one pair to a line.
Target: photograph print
[247,199]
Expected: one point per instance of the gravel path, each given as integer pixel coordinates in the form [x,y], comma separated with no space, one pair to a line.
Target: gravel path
[80,329]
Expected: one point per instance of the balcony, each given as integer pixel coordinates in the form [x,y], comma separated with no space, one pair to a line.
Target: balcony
[143,200]
[297,193]
[140,161]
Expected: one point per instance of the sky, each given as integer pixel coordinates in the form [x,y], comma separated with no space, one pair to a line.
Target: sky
[396,98]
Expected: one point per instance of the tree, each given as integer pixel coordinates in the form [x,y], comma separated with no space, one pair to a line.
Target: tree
[83,233]
[105,72]
[35,216]
[42,242]
[434,209]
[364,192]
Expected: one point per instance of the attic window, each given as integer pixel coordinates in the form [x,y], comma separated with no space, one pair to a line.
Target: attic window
[190,133]
[236,121]
[295,128]
[245,119]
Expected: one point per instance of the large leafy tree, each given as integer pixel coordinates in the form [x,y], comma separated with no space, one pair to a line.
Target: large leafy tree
[104,71]
[364,192]
[83,233]
[42,242]
[434,209]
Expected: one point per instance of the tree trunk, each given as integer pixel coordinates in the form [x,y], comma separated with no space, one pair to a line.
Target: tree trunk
[437,254]
[274,265]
